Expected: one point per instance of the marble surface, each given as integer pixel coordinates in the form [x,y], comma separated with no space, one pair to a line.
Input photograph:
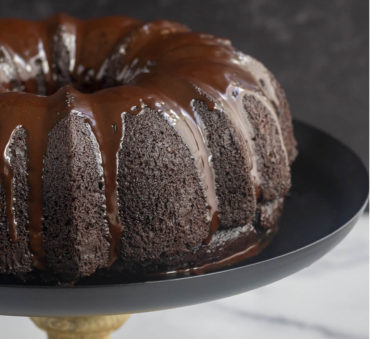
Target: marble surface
[330,299]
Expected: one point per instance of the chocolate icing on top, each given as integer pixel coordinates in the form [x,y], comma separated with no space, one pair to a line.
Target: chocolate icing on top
[103,69]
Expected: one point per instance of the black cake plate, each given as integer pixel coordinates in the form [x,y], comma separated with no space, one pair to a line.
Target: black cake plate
[329,193]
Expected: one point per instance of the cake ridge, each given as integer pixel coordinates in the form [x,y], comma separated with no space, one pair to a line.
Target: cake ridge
[272,109]
[175,102]
[131,44]
[47,111]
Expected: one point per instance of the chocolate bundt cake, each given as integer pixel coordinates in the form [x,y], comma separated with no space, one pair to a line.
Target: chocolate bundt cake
[138,148]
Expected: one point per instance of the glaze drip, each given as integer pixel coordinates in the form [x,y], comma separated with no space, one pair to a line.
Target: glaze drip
[7,182]
[108,130]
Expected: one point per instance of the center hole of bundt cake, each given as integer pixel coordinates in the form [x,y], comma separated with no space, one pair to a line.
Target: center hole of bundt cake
[90,86]
[84,84]
[88,81]
[39,84]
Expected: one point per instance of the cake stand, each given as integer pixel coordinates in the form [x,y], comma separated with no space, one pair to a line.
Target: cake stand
[329,193]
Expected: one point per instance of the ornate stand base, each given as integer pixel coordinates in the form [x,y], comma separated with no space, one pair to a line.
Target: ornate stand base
[93,327]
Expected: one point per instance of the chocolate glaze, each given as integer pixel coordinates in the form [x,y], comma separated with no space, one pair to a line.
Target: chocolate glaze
[253,249]
[122,66]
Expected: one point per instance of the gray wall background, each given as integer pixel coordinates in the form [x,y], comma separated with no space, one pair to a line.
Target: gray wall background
[319,50]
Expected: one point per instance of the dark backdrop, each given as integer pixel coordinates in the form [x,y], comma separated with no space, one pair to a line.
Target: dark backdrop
[317,49]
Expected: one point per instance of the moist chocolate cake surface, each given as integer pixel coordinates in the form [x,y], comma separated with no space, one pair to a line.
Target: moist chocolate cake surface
[133,148]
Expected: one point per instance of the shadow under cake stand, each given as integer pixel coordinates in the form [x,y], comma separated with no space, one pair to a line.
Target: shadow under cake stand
[329,193]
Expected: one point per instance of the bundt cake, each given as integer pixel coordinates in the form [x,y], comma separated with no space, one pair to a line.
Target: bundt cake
[135,148]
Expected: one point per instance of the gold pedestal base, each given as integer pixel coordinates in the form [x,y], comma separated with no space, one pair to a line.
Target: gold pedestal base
[92,327]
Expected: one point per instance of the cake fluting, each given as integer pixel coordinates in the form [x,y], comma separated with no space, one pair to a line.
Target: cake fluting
[136,148]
